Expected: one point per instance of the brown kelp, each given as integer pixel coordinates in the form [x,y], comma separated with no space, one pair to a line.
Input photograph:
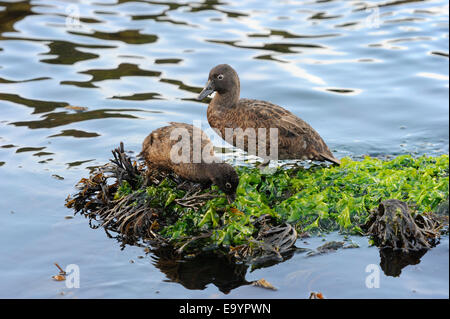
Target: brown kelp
[392,225]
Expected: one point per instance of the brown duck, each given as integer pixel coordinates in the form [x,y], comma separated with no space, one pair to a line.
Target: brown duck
[163,148]
[296,138]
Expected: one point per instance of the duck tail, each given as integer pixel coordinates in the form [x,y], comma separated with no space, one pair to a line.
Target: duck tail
[331,158]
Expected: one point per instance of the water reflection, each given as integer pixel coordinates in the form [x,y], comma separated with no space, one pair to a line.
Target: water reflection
[38,105]
[67,52]
[201,271]
[276,47]
[127,36]
[124,69]
[140,97]
[76,133]
[6,81]
[29,149]
[289,35]
[197,272]
[63,118]
[11,13]
[393,261]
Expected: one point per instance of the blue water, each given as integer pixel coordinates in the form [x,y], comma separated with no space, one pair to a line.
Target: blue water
[370,76]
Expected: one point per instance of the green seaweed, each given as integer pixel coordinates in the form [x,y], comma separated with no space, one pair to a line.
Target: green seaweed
[316,199]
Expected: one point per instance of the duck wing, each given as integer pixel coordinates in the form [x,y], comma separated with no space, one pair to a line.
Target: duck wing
[295,136]
[268,115]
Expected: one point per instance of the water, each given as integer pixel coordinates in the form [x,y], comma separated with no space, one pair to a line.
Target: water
[370,76]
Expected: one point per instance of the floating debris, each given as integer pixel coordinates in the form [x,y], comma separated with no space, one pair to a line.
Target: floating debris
[316,295]
[326,248]
[62,274]
[352,245]
[76,108]
[59,277]
[263,284]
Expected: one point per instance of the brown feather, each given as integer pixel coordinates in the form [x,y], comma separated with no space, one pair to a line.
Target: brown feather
[158,145]
[296,138]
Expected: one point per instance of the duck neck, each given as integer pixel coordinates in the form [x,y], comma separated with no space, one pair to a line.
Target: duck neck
[211,170]
[227,99]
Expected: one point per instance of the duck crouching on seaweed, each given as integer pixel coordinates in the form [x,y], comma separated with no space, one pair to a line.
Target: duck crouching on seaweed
[188,152]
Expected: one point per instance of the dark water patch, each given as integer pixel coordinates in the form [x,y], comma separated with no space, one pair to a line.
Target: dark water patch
[366,60]
[140,97]
[322,16]
[6,81]
[38,105]
[131,56]
[90,20]
[126,36]
[81,19]
[277,47]
[444,54]
[269,57]
[161,18]
[29,149]
[76,133]
[424,11]
[67,53]
[168,61]
[81,84]
[58,177]
[78,163]
[182,86]
[402,20]
[212,5]
[410,39]
[386,4]
[340,90]
[100,12]
[39,154]
[346,24]
[124,69]
[63,118]
[8,146]
[12,13]
[45,161]
[289,35]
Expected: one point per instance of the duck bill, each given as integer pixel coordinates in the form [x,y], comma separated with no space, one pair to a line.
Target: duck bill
[209,88]
[231,198]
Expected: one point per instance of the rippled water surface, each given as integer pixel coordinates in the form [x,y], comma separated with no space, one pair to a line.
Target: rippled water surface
[370,76]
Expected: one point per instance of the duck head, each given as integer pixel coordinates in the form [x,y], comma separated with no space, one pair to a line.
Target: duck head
[222,79]
[225,176]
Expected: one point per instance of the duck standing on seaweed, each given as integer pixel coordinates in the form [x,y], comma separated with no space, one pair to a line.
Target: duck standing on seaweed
[187,151]
[296,138]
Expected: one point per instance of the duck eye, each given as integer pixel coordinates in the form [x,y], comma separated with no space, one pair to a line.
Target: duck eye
[228,185]
[220,77]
